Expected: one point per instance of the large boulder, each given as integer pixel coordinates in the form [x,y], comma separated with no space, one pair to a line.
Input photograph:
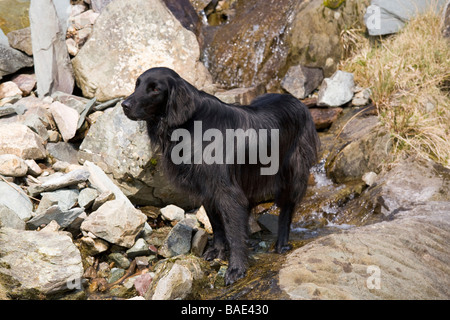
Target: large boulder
[35,265]
[265,38]
[249,50]
[147,36]
[361,146]
[121,147]
[407,258]
[315,32]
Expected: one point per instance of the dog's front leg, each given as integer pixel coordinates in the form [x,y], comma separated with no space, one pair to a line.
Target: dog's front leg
[234,212]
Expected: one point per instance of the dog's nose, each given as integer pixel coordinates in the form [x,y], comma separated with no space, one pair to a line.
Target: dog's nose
[126,104]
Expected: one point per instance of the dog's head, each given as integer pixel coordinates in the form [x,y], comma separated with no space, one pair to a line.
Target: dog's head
[160,93]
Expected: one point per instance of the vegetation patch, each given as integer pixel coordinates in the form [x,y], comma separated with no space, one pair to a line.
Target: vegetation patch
[409,76]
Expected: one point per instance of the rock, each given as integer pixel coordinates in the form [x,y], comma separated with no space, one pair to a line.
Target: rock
[364,147]
[386,17]
[87,197]
[301,81]
[25,82]
[84,19]
[406,258]
[16,200]
[78,8]
[65,199]
[7,109]
[132,49]
[53,226]
[116,274]
[337,90]
[410,182]
[48,22]
[119,260]
[9,89]
[99,5]
[33,168]
[251,48]
[116,222]
[446,20]
[19,140]
[9,219]
[66,119]
[314,37]
[35,264]
[63,151]
[60,166]
[324,117]
[177,242]
[21,40]
[140,248]
[172,213]
[34,122]
[199,242]
[103,183]
[174,278]
[75,102]
[94,246]
[72,47]
[62,216]
[361,98]
[269,222]
[239,95]
[122,147]
[12,60]
[102,199]
[369,178]
[13,166]
[202,217]
[142,283]
[60,181]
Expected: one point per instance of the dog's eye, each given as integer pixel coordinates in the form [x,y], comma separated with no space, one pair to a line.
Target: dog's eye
[138,82]
[152,88]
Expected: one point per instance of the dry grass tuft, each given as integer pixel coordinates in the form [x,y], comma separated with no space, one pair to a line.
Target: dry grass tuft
[409,75]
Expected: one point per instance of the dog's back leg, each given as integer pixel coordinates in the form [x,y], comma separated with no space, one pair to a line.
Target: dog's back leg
[284,222]
[293,184]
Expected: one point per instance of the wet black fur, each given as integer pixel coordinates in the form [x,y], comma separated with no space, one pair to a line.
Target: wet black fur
[228,191]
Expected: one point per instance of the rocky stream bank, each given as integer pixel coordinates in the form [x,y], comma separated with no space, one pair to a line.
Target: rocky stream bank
[85,212]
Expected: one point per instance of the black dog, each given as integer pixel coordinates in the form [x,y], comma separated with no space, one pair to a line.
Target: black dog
[228,189]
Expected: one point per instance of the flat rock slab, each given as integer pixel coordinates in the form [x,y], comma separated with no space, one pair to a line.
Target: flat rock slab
[69,179]
[407,258]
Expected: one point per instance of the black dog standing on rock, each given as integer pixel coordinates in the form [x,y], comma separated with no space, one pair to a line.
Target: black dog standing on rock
[228,189]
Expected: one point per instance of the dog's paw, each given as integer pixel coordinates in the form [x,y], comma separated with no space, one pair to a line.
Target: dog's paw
[213,253]
[283,248]
[234,274]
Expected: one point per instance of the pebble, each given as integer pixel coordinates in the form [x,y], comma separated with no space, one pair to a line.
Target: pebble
[13,166]
[172,213]
[119,260]
[115,274]
[140,248]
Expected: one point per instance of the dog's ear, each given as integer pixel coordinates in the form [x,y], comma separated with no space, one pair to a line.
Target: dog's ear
[180,103]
